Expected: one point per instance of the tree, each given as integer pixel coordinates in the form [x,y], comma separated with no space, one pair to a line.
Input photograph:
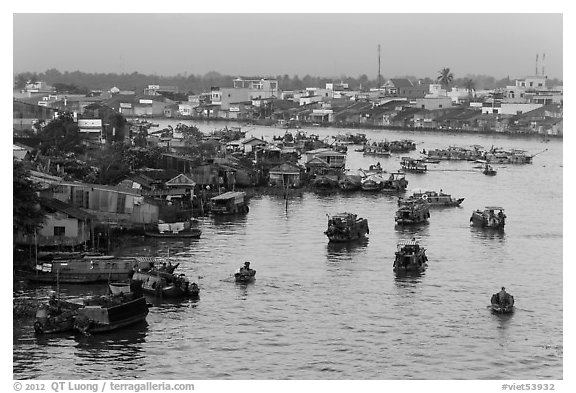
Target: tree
[61,135]
[445,78]
[26,205]
[469,85]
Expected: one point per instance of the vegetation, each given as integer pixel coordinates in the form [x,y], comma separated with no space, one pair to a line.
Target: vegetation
[27,215]
[445,78]
[195,84]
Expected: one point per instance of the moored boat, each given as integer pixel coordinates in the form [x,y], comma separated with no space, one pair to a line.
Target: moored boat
[84,269]
[164,284]
[487,218]
[414,165]
[373,182]
[181,229]
[345,227]
[433,198]
[410,257]
[412,212]
[107,313]
[488,170]
[351,180]
[56,317]
[396,182]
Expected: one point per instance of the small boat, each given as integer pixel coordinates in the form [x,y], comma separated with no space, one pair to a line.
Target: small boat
[351,180]
[229,203]
[396,182]
[56,317]
[489,171]
[433,198]
[118,288]
[107,313]
[502,303]
[412,212]
[410,257]
[181,229]
[487,218]
[373,182]
[163,282]
[345,227]
[376,150]
[326,181]
[414,165]
[245,274]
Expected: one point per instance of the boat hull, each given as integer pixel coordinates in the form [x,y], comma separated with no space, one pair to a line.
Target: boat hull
[244,278]
[99,319]
[193,233]
[84,270]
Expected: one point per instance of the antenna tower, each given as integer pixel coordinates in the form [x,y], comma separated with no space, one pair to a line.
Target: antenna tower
[379,84]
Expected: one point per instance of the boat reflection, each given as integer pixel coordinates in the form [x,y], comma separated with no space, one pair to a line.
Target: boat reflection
[336,250]
[487,233]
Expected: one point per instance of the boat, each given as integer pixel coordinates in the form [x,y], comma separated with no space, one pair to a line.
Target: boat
[351,180]
[433,198]
[163,282]
[373,182]
[345,227]
[414,165]
[487,218]
[401,146]
[326,181]
[86,268]
[410,257]
[376,150]
[502,303]
[488,170]
[396,182]
[245,274]
[117,288]
[107,313]
[228,203]
[56,317]
[412,212]
[182,229]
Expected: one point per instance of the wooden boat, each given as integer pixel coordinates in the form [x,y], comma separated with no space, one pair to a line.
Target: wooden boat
[182,229]
[56,317]
[414,165]
[345,227]
[505,307]
[228,203]
[376,150]
[245,274]
[351,180]
[489,171]
[487,218]
[119,288]
[413,212]
[396,182]
[410,257]
[401,146]
[107,313]
[326,181]
[84,269]
[373,182]
[162,282]
[433,198]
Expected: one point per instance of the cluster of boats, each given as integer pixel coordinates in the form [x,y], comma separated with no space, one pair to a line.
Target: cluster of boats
[125,304]
[410,256]
[373,179]
[476,153]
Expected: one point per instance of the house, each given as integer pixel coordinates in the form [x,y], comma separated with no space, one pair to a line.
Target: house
[432,103]
[332,158]
[64,225]
[26,114]
[21,152]
[258,87]
[402,87]
[285,175]
[249,144]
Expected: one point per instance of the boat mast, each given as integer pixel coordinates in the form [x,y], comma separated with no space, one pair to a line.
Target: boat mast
[379,67]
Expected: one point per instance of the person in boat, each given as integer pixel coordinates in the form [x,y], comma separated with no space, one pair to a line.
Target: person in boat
[500,215]
[163,268]
[53,306]
[503,297]
[245,269]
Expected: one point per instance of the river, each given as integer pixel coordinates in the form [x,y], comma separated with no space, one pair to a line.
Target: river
[323,312]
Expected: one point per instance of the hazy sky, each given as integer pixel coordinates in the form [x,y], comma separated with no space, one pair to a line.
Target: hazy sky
[316,44]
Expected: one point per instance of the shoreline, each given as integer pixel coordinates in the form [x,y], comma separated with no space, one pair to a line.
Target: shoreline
[267,123]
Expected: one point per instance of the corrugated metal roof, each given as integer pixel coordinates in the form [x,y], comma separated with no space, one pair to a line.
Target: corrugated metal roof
[73,211]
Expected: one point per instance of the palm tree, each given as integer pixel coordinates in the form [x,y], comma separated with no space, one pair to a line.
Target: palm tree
[469,85]
[445,77]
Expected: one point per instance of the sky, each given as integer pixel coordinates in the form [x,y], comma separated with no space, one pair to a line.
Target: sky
[279,43]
